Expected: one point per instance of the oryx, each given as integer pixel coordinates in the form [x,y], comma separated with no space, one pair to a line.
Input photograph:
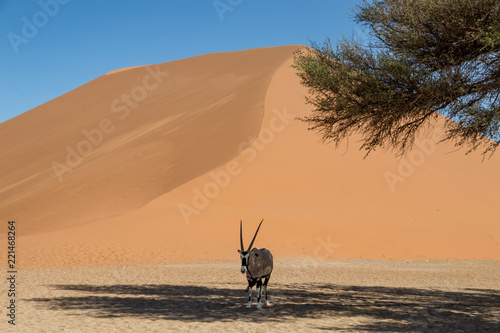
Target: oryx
[258,264]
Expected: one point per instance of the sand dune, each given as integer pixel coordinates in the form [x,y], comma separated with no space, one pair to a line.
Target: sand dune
[157,164]
[148,130]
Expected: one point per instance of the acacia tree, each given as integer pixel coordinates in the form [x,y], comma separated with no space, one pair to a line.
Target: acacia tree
[423,57]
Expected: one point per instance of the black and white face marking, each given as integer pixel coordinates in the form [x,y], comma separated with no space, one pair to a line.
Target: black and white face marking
[244,260]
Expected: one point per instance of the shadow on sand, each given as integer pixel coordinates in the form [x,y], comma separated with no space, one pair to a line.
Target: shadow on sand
[386,308]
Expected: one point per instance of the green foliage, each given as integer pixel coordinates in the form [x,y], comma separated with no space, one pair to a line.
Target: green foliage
[491,37]
[426,56]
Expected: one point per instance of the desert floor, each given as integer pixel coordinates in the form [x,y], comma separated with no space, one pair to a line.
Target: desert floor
[305,295]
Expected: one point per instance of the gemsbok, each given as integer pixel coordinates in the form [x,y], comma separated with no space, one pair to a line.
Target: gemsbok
[258,264]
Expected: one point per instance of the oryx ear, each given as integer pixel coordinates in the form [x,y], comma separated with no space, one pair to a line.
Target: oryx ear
[239,251]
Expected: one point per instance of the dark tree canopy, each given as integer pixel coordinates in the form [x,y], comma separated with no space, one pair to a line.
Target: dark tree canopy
[424,56]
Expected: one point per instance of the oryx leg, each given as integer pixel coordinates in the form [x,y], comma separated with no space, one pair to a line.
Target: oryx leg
[251,283]
[265,288]
[259,287]
[249,305]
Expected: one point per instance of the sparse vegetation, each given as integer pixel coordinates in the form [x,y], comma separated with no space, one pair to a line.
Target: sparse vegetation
[423,57]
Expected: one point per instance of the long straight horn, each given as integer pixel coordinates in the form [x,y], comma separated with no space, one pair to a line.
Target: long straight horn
[255,236]
[241,238]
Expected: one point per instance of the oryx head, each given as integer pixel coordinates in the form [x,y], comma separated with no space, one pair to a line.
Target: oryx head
[245,254]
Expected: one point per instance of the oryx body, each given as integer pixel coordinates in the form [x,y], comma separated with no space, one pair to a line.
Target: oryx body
[258,266]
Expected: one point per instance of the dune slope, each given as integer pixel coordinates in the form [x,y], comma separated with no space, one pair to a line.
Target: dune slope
[127,137]
[217,141]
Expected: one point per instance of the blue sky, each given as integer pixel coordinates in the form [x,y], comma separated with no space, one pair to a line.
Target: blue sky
[49,47]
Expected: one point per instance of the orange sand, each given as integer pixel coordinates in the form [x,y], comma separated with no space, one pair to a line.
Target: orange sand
[203,142]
